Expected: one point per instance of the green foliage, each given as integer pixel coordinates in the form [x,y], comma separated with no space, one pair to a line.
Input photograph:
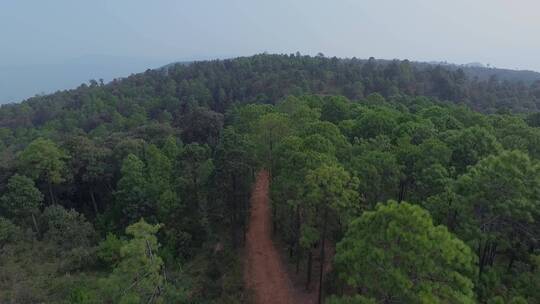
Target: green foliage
[270,129]
[375,99]
[494,207]
[372,123]
[299,109]
[22,199]
[82,295]
[9,232]
[130,194]
[471,145]
[67,228]
[181,145]
[504,190]
[234,167]
[330,186]
[108,251]
[379,174]
[356,299]
[245,118]
[330,133]
[335,109]
[172,148]
[395,252]
[158,180]
[396,154]
[138,277]
[42,159]
[72,236]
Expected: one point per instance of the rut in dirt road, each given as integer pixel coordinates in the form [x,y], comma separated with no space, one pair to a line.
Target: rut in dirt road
[265,273]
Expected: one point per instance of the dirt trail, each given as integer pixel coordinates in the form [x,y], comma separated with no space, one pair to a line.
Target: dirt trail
[265,273]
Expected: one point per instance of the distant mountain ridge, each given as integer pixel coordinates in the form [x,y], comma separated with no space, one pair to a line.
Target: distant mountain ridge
[472,69]
[483,72]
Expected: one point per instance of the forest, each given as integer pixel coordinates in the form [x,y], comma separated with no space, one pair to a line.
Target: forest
[416,184]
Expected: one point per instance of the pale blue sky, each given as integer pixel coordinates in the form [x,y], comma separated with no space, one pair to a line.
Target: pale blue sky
[503,33]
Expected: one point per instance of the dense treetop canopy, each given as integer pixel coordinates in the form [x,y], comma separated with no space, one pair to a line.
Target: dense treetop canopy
[138,190]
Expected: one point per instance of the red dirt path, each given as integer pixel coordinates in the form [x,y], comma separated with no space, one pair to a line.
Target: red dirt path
[265,273]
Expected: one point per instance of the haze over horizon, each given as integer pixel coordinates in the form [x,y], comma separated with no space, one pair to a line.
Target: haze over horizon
[48,46]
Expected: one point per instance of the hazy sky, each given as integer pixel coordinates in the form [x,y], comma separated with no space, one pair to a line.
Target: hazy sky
[503,33]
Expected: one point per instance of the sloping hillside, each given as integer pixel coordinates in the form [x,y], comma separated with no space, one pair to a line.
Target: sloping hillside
[265,78]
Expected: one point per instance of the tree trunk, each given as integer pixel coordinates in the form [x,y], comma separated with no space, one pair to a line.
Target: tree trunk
[492,253]
[274,219]
[244,219]
[298,257]
[233,213]
[452,221]
[309,261]
[233,232]
[94,204]
[35,223]
[531,251]
[511,261]
[323,243]
[51,193]
[292,240]
[297,236]
[271,160]
[196,188]
[482,254]
[291,249]
[402,186]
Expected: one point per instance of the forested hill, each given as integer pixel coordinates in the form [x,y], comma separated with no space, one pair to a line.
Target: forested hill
[163,93]
[137,191]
